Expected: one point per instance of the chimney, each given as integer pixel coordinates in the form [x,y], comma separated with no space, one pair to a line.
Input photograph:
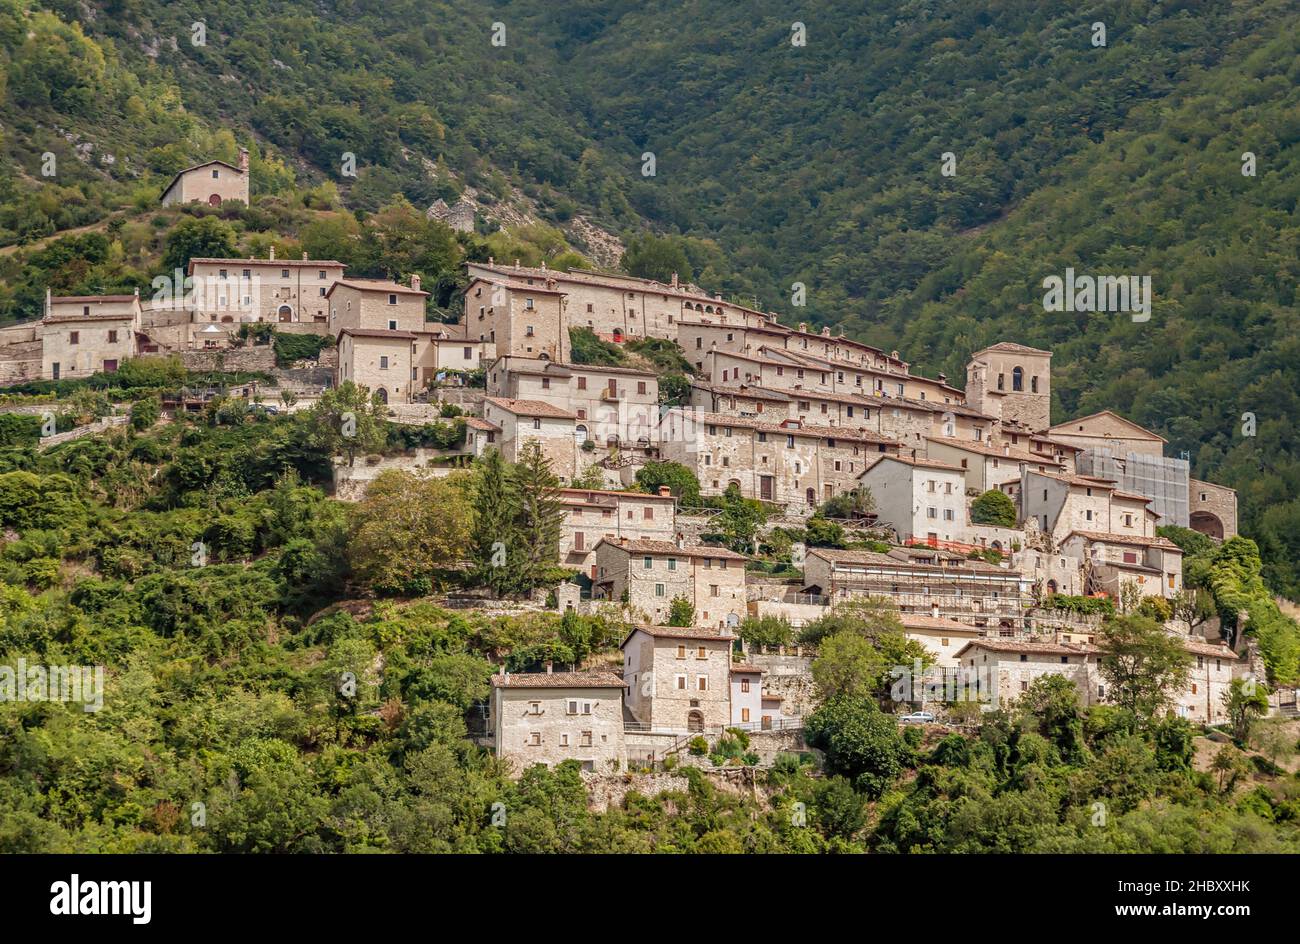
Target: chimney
[48,304]
[681,541]
[934,610]
[1006,449]
[516,263]
[491,260]
[243,159]
[549,667]
[271,257]
[304,257]
[415,281]
[894,355]
[803,327]
[674,282]
[543,265]
[826,332]
[664,491]
[137,291]
[943,378]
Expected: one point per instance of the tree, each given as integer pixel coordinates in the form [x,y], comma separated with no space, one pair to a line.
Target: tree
[867,616]
[408,532]
[1230,765]
[494,540]
[855,503]
[767,631]
[1193,606]
[740,519]
[847,665]
[681,481]
[993,508]
[202,237]
[1244,702]
[1051,706]
[861,742]
[347,419]
[144,413]
[540,516]
[1142,664]
[681,612]
[656,257]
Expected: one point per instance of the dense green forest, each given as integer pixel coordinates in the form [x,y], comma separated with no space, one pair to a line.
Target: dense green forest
[291,690]
[775,163]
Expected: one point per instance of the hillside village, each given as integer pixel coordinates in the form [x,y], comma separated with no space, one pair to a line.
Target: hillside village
[793,418]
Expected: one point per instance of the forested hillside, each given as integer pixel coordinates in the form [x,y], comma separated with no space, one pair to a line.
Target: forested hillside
[775,164]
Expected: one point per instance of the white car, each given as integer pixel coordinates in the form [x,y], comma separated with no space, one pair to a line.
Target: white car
[917,717]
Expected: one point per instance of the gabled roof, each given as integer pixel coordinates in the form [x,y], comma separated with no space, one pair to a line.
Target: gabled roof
[558,680]
[1067,429]
[267,263]
[647,546]
[1134,540]
[182,173]
[916,463]
[1009,347]
[375,285]
[529,408]
[377,333]
[679,632]
[1028,647]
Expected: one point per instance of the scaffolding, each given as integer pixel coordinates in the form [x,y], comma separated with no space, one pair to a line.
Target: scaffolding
[1161,479]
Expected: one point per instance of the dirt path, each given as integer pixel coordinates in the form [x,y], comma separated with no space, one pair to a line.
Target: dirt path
[45,240]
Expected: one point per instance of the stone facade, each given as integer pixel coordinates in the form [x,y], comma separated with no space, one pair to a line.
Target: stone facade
[1213,509]
[230,292]
[678,679]
[523,420]
[376,304]
[517,319]
[592,515]
[919,497]
[213,183]
[84,335]
[546,718]
[380,361]
[1012,383]
[648,575]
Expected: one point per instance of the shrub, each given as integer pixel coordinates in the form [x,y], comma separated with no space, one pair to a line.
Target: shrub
[993,508]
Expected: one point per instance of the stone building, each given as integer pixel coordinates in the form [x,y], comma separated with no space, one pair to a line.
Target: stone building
[546,718]
[378,360]
[998,671]
[592,515]
[678,679]
[1208,679]
[1213,509]
[786,463]
[923,581]
[212,182]
[523,420]
[231,292]
[1153,565]
[649,575]
[987,464]
[919,498]
[376,304]
[943,637]
[1108,430]
[84,335]
[1011,382]
[1060,504]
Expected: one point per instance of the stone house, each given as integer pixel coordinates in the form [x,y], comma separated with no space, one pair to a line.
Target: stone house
[998,671]
[83,335]
[752,708]
[378,360]
[649,575]
[524,420]
[376,304]
[612,406]
[786,463]
[518,319]
[1059,504]
[212,182]
[591,515]
[230,292]
[919,498]
[1208,679]
[742,400]
[1012,383]
[988,465]
[1153,565]
[923,581]
[1108,430]
[678,679]
[549,717]
[943,637]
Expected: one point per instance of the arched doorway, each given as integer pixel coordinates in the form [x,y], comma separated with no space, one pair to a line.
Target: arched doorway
[580,434]
[618,335]
[695,721]
[285,313]
[1206,523]
[382,394]
[214,200]
[811,495]
[1051,586]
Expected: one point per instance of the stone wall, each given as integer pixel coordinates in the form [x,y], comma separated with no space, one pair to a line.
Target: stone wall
[255,358]
[790,677]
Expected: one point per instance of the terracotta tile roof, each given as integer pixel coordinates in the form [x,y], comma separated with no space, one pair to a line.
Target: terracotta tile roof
[921,621]
[788,428]
[376,285]
[81,299]
[1029,647]
[647,546]
[529,408]
[918,463]
[267,263]
[995,452]
[558,680]
[837,556]
[477,422]
[378,333]
[744,668]
[1061,428]
[1203,647]
[1081,481]
[744,390]
[681,632]
[639,496]
[1132,496]
[1135,540]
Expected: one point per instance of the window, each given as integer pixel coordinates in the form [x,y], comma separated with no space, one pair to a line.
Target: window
[1018,379]
[216,174]
[546,383]
[701,652]
[586,739]
[582,383]
[744,712]
[392,298]
[112,337]
[659,590]
[392,324]
[383,362]
[469,354]
[321,274]
[744,685]
[713,589]
[672,563]
[528,303]
[534,707]
[535,739]
[681,683]
[681,652]
[537,424]
[1023,657]
[702,683]
[528,331]
[74,337]
[284,273]
[649,562]
[640,386]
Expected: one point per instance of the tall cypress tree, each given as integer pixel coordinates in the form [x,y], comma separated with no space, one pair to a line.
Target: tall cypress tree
[540,516]
[495,546]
